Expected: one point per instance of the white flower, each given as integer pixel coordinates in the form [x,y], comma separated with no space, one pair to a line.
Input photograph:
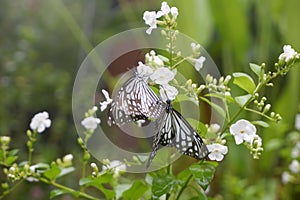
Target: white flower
[162,76]
[217,151]
[144,70]
[140,122]
[296,151]
[168,92]
[174,12]
[195,47]
[150,19]
[294,166]
[199,63]
[285,177]
[243,130]
[213,128]
[153,60]
[104,104]
[68,158]
[164,10]
[297,122]
[40,122]
[288,53]
[90,123]
[116,165]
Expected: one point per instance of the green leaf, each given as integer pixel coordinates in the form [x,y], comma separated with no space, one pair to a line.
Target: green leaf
[163,185]
[218,108]
[197,125]
[203,173]
[13,152]
[261,123]
[135,191]
[10,160]
[242,100]
[257,70]
[120,188]
[244,81]
[97,183]
[65,171]
[52,173]
[229,99]
[57,192]
[180,98]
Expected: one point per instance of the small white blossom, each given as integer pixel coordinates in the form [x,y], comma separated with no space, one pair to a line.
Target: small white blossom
[90,123]
[144,70]
[199,63]
[294,166]
[174,12]
[5,140]
[116,165]
[150,19]
[162,76]
[40,122]
[213,128]
[168,92]
[153,60]
[68,158]
[104,104]
[164,10]
[285,177]
[297,122]
[217,151]
[195,47]
[288,53]
[140,122]
[296,151]
[243,130]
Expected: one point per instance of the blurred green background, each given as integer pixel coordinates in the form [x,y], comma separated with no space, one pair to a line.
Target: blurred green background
[42,44]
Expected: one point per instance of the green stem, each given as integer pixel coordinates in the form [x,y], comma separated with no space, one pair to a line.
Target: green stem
[184,186]
[7,192]
[69,190]
[259,113]
[257,89]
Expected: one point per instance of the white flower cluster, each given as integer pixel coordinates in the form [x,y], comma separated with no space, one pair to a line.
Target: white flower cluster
[288,54]
[217,150]
[154,68]
[245,131]
[150,17]
[294,166]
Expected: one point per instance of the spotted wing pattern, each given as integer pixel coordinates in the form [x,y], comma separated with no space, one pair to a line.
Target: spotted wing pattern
[135,100]
[175,131]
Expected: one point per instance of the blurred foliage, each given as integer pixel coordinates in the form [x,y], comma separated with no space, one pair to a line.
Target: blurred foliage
[42,43]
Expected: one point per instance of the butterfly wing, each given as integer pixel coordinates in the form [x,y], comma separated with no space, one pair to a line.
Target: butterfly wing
[119,117]
[164,127]
[175,131]
[134,101]
[186,139]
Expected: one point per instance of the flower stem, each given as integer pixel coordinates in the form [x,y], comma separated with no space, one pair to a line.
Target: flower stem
[8,191]
[184,186]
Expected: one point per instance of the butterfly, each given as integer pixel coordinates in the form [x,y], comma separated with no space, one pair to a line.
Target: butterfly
[135,100]
[175,131]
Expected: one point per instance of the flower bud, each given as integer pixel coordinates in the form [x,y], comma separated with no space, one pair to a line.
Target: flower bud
[267,108]
[4,140]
